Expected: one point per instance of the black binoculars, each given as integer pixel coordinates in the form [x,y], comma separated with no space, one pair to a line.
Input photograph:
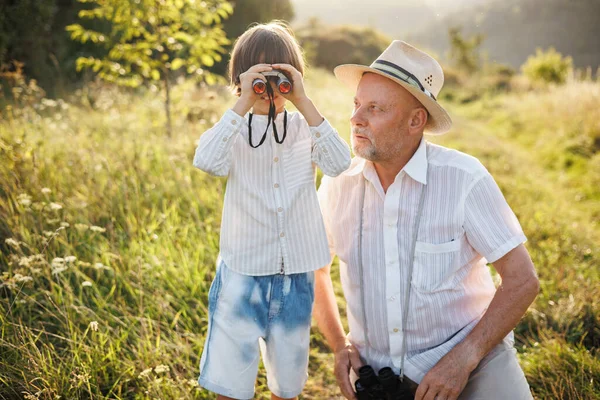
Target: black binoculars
[283,84]
[386,386]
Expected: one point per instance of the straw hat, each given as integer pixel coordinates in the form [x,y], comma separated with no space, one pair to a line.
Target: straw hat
[414,70]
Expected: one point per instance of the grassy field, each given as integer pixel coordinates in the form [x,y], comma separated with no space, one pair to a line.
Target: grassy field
[108,237]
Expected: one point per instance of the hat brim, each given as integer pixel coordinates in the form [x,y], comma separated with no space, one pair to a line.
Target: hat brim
[438,123]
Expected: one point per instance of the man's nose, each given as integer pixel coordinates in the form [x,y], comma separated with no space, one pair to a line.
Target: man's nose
[358,117]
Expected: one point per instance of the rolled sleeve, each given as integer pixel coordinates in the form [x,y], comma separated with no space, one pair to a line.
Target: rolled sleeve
[491,226]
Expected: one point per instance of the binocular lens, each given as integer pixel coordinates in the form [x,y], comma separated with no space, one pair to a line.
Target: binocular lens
[259,86]
[285,87]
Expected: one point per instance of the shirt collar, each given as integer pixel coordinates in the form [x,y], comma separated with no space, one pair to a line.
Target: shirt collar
[416,167]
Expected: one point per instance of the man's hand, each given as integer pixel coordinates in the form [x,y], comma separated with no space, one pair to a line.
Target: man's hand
[345,358]
[447,379]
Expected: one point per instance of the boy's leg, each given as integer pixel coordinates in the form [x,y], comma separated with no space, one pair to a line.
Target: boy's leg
[230,357]
[286,346]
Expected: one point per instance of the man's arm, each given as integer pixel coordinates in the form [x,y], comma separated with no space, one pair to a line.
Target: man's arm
[519,288]
[327,315]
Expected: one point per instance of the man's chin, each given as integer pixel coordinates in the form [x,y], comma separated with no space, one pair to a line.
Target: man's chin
[362,152]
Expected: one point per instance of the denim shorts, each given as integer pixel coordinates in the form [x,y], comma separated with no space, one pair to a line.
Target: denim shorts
[247,313]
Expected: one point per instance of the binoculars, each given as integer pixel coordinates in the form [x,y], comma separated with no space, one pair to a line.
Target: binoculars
[283,84]
[386,386]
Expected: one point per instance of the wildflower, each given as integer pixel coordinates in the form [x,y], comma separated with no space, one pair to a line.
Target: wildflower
[58,270]
[161,368]
[24,199]
[24,262]
[81,227]
[55,206]
[46,190]
[58,261]
[13,243]
[95,228]
[86,283]
[70,259]
[21,278]
[145,373]
[64,224]
[99,265]
[94,326]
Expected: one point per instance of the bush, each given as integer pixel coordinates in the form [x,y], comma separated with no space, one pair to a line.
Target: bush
[328,47]
[547,67]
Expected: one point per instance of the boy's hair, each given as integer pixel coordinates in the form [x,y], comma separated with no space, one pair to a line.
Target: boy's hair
[270,43]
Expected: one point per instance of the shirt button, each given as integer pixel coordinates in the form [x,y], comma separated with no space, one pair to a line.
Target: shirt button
[318,134]
[280,209]
[276,185]
[224,139]
[392,298]
[233,122]
[281,234]
[395,330]
[324,150]
[276,159]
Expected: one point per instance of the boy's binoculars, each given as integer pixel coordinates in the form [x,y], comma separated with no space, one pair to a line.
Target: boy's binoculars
[283,84]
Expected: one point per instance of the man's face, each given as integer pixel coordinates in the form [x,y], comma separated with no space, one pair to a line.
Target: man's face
[380,120]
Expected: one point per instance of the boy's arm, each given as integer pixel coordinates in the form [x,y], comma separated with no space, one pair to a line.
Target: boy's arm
[330,152]
[213,154]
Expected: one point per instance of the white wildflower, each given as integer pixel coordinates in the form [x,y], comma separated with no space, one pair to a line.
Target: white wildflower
[86,283]
[95,228]
[161,368]
[94,326]
[21,278]
[58,270]
[55,206]
[24,199]
[58,261]
[64,224]
[46,190]
[13,243]
[81,227]
[145,373]
[70,259]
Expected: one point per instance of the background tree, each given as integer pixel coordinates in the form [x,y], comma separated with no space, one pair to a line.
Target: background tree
[151,39]
[464,52]
[248,12]
[547,66]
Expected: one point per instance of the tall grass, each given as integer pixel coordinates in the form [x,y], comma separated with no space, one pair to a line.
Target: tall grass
[108,238]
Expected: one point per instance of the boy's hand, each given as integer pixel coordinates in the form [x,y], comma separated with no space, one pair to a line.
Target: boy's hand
[298,95]
[248,97]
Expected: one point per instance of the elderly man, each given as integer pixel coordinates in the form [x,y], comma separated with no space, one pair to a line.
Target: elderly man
[414,225]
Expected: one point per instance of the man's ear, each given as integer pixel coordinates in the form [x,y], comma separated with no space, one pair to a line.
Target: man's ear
[417,121]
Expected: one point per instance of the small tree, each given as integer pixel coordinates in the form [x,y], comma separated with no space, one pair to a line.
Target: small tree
[464,52]
[547,67]
[149,39]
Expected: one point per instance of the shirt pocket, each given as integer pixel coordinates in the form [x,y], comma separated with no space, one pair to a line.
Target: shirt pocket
[436,266]
[298,167]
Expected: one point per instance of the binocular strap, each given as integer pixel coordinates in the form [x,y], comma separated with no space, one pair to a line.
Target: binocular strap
[410,270]
[271,118]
